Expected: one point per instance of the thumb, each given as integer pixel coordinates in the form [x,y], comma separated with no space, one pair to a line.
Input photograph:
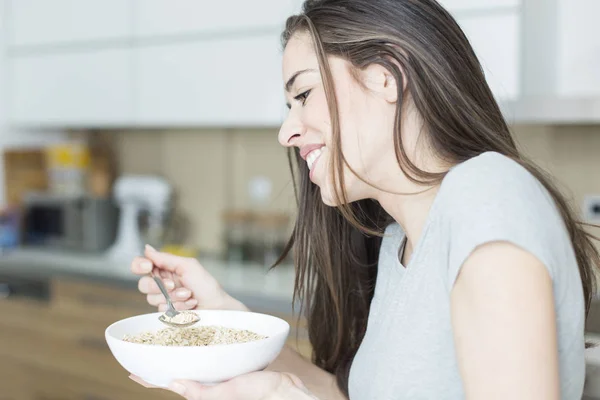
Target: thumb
[192,390]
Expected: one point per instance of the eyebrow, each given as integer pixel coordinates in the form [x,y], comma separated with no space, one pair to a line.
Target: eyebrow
[290,82]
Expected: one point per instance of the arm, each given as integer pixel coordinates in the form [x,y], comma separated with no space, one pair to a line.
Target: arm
[319,382]
[504,325]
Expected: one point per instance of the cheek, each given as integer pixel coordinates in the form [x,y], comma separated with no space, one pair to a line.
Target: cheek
[316,114]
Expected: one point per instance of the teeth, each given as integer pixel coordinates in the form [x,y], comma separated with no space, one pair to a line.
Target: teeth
[312,157]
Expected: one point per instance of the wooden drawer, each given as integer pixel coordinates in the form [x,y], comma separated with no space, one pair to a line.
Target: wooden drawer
[56,349]
[97,300]
[14,383]
[50,385]
[65,359]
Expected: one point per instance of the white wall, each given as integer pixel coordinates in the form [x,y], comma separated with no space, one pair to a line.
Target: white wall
[10,138]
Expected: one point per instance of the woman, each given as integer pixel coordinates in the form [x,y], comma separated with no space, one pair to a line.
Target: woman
[480,284]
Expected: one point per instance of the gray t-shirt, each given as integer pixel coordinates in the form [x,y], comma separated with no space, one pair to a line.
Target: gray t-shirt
[408,350]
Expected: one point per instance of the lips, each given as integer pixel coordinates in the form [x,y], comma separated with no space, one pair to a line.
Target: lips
[305,150]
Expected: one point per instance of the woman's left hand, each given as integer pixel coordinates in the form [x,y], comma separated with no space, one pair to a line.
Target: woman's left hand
[263,385]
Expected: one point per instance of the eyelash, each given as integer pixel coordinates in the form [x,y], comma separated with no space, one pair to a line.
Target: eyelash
[302,96]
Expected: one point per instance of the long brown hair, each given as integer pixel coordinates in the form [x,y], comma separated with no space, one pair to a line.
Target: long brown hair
[335,250]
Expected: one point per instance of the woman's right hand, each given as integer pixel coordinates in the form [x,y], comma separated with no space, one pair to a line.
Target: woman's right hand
[189,284]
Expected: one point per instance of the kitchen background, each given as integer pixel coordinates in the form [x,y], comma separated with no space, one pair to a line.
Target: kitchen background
[163,116]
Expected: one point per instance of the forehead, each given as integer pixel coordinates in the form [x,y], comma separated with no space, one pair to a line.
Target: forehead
[299,55]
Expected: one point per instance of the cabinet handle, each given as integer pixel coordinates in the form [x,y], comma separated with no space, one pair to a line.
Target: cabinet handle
[93,343]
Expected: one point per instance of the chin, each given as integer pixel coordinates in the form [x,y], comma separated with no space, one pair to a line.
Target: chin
[329,202]
[328,195]
[329,199]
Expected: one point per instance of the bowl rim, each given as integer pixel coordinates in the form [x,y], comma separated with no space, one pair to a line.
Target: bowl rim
[229,345]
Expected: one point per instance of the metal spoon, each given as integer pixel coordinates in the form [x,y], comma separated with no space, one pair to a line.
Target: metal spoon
[171,311]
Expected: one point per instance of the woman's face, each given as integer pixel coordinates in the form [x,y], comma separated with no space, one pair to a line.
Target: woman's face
[366,116]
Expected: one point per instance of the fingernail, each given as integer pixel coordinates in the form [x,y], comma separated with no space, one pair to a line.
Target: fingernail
[191,302]
[177,388]
[183,294]
[169,284]
[146,266]
[148,247]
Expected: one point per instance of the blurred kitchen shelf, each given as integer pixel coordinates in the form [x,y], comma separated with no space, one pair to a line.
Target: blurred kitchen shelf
[249,283]
[552,110]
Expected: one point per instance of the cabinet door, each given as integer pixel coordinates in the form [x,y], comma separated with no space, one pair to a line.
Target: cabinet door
[478,5]
[578,48]
[72,89]
[160,17]
[495,39]
[42,22]
[220,82]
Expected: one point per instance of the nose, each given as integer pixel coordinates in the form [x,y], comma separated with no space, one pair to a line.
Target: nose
[291,130]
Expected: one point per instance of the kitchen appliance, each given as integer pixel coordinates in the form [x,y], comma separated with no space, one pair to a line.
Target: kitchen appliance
[68,222]
[133,194]
[67,165]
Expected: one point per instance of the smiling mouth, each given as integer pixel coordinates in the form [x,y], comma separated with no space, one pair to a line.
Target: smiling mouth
[312,157]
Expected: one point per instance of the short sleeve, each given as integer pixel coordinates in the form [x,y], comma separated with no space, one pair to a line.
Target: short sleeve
[496,199]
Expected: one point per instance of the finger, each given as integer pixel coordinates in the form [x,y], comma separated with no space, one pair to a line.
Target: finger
[180,294]
[295,380]
[244,389]
[247,389]
[142,382]
[194,391]
[164,274]
[187,305]
[166,261]
[141,266]
[148,285]
[156,299]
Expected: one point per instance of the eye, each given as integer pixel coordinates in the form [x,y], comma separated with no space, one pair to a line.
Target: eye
[302,96]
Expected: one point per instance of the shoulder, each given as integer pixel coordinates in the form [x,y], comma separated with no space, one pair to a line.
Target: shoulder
[495,183]
[492,171]
[492,198]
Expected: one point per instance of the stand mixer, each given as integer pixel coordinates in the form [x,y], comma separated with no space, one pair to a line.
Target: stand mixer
[134,193]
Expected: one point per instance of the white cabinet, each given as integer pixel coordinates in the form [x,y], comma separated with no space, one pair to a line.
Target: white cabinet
[562,57]
[218,63]
[154,18]
[42,22]
[496,41]
[478,5]
[578,42]
[219,82]
[74,89]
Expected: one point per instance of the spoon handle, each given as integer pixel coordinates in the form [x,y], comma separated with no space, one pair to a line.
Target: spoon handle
[162,288]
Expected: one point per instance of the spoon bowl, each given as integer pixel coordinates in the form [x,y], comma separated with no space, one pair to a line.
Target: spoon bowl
[168,317]
[164,320]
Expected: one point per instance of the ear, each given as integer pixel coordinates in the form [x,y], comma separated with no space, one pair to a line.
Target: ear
[380,80]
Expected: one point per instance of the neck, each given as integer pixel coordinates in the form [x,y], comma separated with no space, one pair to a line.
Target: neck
[410,211]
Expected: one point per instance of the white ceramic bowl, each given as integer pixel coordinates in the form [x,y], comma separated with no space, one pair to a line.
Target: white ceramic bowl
[159,365]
